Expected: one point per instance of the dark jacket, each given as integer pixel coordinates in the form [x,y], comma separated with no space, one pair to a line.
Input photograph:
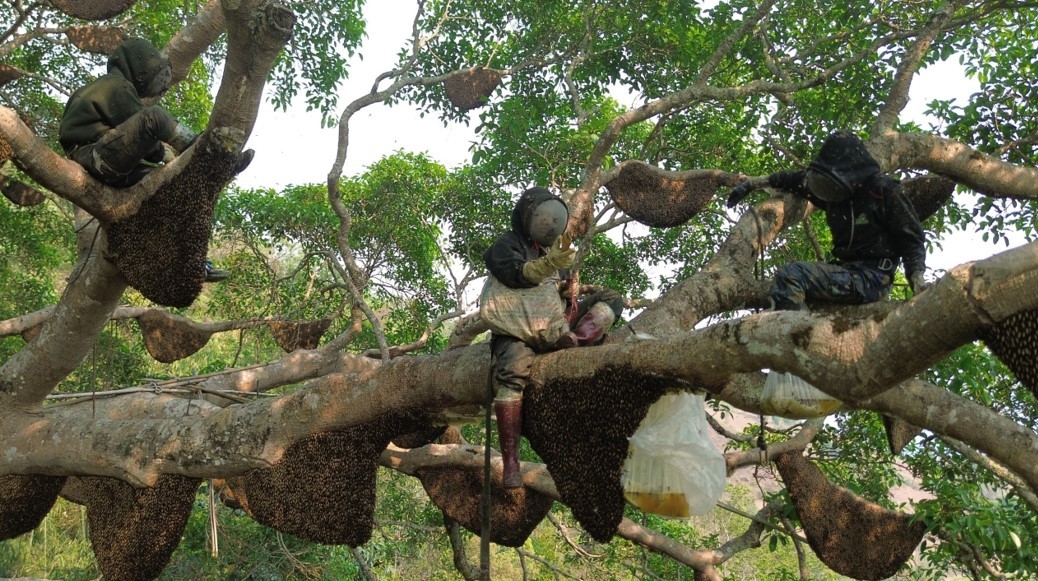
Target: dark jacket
[876,222]
[109,100]
[514,248]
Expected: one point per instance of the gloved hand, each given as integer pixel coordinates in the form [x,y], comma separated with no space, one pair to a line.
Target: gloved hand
[917,283]
[537,270]
[738,193]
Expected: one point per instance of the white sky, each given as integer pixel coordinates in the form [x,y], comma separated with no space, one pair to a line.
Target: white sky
[292,148]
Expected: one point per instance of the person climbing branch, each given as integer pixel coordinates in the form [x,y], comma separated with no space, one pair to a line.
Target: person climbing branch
[873,224]
[526,313]
[107,129]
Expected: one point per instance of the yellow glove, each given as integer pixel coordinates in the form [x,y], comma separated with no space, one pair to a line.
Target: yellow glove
[537,270]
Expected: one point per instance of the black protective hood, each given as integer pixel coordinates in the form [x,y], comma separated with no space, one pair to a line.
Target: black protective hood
[524,207]
[843,155]
[140,62]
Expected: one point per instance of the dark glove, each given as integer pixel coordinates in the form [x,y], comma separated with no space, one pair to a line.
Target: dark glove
[917,283]
[738,193]
[788,179]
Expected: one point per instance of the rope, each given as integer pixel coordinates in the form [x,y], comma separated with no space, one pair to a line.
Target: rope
[484,532]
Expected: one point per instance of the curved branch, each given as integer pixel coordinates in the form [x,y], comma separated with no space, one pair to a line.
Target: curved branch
[898,97]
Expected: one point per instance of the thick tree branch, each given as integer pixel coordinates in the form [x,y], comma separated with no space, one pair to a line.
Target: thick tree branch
[65,339]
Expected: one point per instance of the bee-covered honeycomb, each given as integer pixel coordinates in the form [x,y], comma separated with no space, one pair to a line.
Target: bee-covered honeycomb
[169,338]
[292,335]
[134,531]
[928,193]
[458,492]
[323,487]
[92,9]
[96,39]
[24,501]
[1015,342]
[471,88]
[652,197]
[580,429]
[851,535]
[161,250]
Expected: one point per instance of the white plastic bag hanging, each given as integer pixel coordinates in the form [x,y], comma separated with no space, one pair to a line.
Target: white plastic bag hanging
[789,396]
[672,467]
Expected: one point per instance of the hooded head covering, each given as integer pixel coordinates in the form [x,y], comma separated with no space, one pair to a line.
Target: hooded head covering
[540,216]
[841,168]
[143,65]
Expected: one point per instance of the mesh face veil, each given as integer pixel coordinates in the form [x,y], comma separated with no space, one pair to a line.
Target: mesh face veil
[827,185]
[159,83]
[548,222]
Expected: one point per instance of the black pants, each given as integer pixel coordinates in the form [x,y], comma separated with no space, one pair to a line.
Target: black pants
[115,159]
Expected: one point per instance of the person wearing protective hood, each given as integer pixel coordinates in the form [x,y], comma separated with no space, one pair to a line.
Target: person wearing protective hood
[524,265]
[874,228]
[107,129]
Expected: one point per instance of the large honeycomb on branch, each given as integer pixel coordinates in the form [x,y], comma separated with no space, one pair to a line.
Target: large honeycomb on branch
[24,501]
[580,428]
[292,335]
[92,9]
[170,338]
[19,193]
[1015,342]
[899,433]
[928,193]
[96,39]
[661,199]
[134,531]
[323,487]
[471,88]
[851,535]
[458,492]
[5,148]
[161,250]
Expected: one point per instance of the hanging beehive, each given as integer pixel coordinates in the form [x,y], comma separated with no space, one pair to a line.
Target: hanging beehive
[581,428]
[24,501]
[323,487]
[161,250]
[5,148]
[7,74]
[134,531]
[427,435]
[661,198]
[92,9]
[1015,342]
[19,193]
[851,535]
[471,88]
[96,39]
[458,492]
[292,335]
[899,433]
[169,337]
[928,193]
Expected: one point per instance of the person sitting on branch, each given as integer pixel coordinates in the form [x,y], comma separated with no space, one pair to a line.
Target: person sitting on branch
[873,224]
[107,129]
[526,313]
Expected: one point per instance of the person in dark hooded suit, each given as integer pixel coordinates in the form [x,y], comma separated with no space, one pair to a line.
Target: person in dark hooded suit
[874,228]
[107,129]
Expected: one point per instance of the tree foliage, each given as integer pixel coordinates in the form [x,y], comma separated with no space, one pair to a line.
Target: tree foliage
[390,261]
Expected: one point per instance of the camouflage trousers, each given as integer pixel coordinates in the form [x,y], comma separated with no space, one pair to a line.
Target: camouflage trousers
[848,283]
